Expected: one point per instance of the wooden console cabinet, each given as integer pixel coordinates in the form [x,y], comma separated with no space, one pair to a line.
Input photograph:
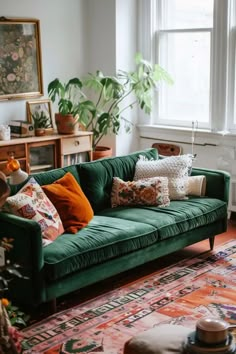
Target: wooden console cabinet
[46,152]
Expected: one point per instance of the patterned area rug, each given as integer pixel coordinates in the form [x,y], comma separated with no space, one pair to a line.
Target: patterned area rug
[179,294]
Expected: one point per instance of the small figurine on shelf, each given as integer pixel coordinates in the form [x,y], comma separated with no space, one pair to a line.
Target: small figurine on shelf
[17,174]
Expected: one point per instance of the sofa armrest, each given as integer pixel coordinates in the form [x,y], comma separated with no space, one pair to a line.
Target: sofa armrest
[27,243]
[217,182]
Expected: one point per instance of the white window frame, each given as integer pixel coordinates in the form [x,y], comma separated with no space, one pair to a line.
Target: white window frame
[223,53]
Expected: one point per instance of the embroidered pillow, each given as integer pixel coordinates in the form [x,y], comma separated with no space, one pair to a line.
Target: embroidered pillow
[32,203]
[176,168]
[149,191]
[70,201]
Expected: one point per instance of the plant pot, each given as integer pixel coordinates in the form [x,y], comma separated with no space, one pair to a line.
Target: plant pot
[66,124]
[49,131]
[39,131]
[101,152]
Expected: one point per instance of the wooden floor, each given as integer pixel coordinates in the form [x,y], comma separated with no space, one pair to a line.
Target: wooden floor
[90,292]
[219,239]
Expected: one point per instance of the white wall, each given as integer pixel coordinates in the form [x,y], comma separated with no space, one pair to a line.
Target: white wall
[101,42]
[63,43]
[79,36]
[112,44]
[126,48]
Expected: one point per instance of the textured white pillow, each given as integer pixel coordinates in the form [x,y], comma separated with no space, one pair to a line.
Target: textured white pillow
[176,168]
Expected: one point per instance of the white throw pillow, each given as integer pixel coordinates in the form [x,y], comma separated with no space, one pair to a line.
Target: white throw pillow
[196,185]
[176,168]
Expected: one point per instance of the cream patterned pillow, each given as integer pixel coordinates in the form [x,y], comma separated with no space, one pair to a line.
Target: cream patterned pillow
[176,168]
[32,203]
[149,191]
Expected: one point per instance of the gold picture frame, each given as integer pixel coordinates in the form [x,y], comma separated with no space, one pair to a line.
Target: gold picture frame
[20,57]
[37,108]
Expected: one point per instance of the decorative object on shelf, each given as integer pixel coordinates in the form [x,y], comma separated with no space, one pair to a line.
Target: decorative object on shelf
[103,114]
[40,114]
[69,96]
[17,176]
[21,129]
[20,57]
[5,132]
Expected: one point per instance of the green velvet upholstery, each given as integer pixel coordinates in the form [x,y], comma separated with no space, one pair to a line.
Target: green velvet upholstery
[103,239]
[180,216]
[116,239]
[96,177]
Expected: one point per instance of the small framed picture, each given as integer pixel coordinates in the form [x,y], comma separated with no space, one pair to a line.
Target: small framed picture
[39,113]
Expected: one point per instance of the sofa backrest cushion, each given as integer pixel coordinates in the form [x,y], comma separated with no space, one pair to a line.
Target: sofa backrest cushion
[96,177]
[47,177]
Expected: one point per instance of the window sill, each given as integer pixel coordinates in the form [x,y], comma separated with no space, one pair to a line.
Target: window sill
[184,135]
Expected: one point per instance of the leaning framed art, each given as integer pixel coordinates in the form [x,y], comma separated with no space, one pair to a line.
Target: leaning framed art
[20,59]
[39,112]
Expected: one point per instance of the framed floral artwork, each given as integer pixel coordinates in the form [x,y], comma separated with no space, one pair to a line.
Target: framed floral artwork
[39,113]
[20,59]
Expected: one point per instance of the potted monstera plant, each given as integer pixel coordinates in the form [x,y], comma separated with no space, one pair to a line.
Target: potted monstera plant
[68,95]
[103,113]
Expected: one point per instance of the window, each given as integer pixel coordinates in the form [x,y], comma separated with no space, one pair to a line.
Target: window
[194,40]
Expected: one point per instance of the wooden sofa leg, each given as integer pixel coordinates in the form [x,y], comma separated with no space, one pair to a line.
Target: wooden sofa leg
[211,242]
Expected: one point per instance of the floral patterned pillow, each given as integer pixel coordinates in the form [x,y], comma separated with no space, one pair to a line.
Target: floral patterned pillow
[149,191]
[32,203]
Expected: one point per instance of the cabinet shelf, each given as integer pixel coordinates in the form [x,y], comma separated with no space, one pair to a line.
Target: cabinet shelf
[47,152]
[41,167]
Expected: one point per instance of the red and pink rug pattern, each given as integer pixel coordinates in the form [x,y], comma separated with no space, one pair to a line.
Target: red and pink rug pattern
[179,294]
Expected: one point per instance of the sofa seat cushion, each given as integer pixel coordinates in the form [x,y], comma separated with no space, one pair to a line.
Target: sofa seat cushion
[102,239]
[180,216]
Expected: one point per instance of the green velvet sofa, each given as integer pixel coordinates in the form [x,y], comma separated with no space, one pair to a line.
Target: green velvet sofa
[116,239]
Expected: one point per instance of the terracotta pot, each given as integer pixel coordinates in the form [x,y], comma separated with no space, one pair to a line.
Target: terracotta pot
[212,330]
[66,124]
[101,152]
[39,131]
[49,131]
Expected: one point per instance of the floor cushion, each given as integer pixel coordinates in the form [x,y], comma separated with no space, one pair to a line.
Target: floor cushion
[163,339]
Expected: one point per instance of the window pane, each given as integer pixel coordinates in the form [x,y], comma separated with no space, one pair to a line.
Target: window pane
[186,56]
[178,14]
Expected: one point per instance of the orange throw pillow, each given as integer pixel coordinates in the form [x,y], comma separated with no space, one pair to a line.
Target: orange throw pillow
[71,203]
